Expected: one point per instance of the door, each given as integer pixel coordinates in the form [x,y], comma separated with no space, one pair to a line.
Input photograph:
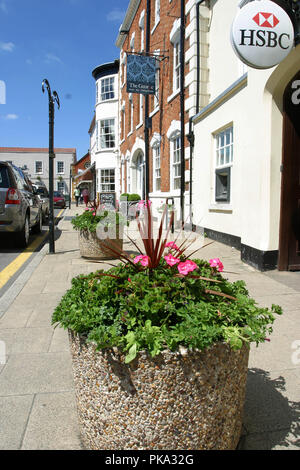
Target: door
[289,245]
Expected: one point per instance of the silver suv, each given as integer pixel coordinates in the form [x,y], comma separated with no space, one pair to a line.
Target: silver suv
[20,207]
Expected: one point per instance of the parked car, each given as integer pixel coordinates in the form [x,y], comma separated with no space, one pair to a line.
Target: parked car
[43,194]
[59,200]
[20,207]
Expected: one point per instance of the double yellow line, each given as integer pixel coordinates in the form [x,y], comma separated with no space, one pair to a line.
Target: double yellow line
[17,263]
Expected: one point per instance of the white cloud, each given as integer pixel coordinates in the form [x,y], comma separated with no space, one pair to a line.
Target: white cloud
[29,61]
[116,15]
[11,117]
[7,46]
[52,58]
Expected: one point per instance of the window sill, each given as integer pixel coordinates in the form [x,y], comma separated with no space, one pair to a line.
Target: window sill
[107,101]
[171,97]
[154,111]
[221,208]
[139,125]
[129,133]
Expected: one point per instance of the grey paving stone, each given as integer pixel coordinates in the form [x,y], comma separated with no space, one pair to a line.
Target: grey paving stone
[37,373]
[53,423]
[15,317]
[278,440]
[32,340]
[273,355]
[272,402]
[14,413]
[60,340]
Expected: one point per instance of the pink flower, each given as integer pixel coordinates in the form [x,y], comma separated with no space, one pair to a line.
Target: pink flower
[86,209]
[94,213]
[172,245]
[144,260]
[129,279]
[187,267]
[216,263]
[144,203]
[171,261]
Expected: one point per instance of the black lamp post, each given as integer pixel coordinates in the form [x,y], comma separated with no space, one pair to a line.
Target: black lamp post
[53,97]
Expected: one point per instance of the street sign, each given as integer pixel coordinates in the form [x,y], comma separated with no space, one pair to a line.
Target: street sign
[141,74]
[262,34]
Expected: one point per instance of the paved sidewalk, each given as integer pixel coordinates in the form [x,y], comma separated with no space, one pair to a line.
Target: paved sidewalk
[37,400]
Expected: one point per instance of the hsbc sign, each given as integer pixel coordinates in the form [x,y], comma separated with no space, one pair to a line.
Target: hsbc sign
[262,34]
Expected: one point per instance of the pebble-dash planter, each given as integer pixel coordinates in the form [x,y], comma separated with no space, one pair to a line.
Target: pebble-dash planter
[175,401]
[92,248]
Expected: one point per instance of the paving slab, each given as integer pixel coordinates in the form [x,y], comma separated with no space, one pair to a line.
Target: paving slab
[37,373]
[53,423]
[14,414]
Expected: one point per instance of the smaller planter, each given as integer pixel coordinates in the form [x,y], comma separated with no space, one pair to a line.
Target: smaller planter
[92,248]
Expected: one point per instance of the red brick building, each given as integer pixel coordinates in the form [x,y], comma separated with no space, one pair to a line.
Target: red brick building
[164,106]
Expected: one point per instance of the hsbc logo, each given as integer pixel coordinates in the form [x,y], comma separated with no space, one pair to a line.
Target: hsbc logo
[266,20]
[262,34]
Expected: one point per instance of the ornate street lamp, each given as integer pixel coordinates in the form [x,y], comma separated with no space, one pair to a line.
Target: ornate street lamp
[53,97]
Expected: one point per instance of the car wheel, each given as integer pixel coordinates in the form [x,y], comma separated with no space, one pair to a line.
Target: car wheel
[38,227]
[22,238]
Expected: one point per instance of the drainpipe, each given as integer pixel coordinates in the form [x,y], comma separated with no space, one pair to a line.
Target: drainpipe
[191,133]
[182,125]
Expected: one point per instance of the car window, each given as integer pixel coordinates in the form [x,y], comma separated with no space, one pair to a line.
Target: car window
[42,192]
[19,178]
[4,178]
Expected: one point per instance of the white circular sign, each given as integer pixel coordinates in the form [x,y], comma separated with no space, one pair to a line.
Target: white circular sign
[262,34]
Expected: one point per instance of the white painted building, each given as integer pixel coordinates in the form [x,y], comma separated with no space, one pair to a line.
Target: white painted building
[35,163]
[104,130]
[246,157]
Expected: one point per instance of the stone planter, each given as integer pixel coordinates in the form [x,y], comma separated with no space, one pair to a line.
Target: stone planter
[171,402]
[91,247]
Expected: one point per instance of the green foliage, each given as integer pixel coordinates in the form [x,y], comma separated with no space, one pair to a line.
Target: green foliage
[132,310]
[90,219]
[130,197]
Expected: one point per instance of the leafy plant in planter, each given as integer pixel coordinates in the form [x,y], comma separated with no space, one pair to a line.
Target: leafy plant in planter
[109,225]
[166,328]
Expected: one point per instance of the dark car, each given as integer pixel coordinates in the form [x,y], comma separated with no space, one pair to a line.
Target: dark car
[58,200]
[43,194]
[20,207]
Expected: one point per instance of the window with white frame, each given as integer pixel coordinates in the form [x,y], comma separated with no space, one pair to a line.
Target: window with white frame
[156,95]
[176,161]
[224,160]
[107,180]
[38,165]
[60,168]
[130,113]
[141,106]
[61,186]
[128,176]
[156,167]
[142,28]
[97,92]
[176,66]
[157,11]
[107,88]
[107,133]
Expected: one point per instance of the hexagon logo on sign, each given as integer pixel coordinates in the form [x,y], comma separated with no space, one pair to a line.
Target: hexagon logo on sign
[262,34]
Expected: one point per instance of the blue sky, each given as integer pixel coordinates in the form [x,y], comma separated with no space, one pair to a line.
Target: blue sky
[63,41]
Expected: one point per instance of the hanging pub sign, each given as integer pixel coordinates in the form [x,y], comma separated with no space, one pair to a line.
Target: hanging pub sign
[141,74]
[262,34]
